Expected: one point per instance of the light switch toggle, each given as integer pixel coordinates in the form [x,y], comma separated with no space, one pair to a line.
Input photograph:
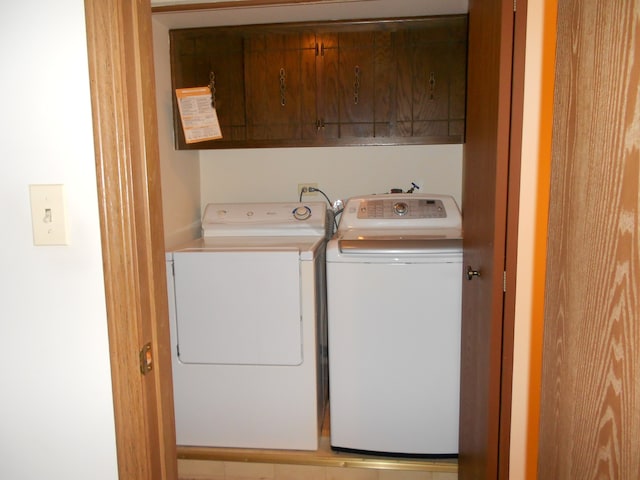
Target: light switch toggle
[48,214]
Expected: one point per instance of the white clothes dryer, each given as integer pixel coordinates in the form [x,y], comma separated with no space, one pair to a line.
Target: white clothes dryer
[394,272]
[247,308]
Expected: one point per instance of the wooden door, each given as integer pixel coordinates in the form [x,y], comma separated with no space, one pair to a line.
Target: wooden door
[589,411]
[126,142]
[486,341]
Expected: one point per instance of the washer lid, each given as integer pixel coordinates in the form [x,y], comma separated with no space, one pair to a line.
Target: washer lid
[400,246]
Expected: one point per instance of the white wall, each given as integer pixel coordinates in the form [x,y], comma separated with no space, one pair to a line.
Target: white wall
[56,409]
[273,175]
[180,170]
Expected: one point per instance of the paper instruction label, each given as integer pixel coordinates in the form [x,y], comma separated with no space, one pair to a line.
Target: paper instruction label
[199,118]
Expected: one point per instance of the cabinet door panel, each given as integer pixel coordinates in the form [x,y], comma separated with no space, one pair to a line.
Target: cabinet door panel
[431,128]
[458,80]
[431,79]
[281,95]
[456,127]
[356,75]
[328,85]
[384,129]
[309,79]
[356,82]
[384,82]
[404,85]
[197,54]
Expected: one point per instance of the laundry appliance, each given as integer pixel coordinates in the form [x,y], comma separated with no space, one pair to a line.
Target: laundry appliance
[394,271]
[247,306]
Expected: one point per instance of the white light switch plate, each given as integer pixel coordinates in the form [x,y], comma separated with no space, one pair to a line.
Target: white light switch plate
[48,215]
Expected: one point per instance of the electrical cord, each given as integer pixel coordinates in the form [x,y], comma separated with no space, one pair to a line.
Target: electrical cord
[314,189]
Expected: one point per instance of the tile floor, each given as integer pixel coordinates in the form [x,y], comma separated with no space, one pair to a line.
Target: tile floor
[220,470]
[196,463]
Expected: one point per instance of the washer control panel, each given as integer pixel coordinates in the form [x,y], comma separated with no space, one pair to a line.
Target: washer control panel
[401,214]
[402,208]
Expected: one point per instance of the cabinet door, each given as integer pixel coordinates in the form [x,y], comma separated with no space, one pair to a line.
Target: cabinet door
[281,86]
[201,57]
[355,84]
[431,74]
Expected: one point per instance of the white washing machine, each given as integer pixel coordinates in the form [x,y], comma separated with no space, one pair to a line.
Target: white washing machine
[248,327]
[394,275]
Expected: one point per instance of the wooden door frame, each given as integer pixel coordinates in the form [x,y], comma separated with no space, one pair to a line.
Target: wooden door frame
[127,162]
[511,253]
[122,79]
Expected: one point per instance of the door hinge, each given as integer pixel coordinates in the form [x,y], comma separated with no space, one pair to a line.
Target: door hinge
[514,5]
[146,359]
[320,49]
[504,281]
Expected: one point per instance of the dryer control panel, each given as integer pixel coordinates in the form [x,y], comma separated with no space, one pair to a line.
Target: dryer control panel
[265,219]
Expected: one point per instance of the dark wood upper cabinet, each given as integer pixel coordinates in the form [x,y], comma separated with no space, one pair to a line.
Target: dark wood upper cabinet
[382,82]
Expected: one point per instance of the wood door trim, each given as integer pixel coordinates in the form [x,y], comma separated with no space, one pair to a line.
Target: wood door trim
[511,259]
[119,44]
[541,233]
[589,424]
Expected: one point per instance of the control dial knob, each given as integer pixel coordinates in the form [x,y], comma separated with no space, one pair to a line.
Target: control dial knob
[301,213]
[400,208]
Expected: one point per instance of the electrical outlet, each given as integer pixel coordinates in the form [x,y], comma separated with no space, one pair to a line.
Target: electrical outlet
[303,188]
